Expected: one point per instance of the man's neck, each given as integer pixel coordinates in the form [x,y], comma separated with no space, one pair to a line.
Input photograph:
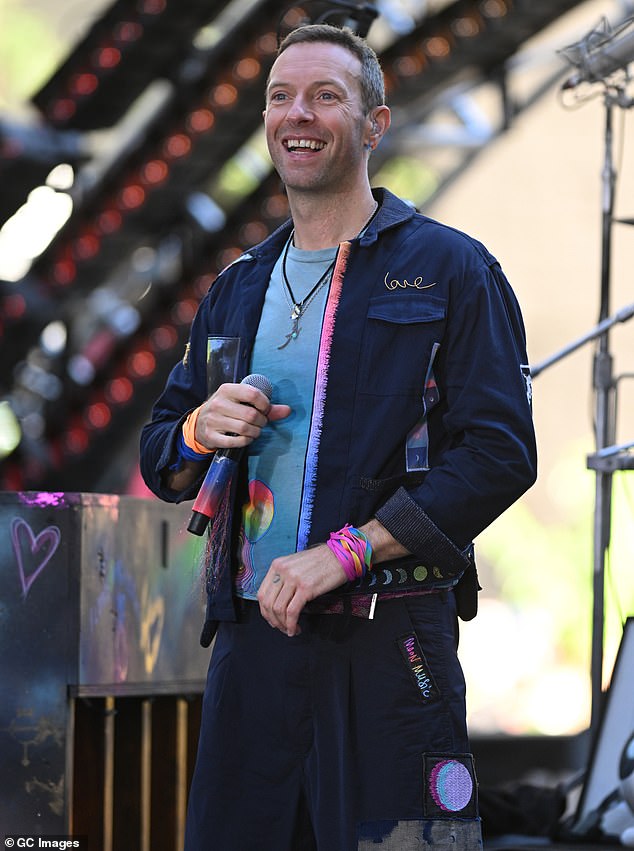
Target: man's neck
[324,223]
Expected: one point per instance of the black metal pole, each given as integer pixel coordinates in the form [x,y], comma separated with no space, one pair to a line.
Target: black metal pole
[604,426]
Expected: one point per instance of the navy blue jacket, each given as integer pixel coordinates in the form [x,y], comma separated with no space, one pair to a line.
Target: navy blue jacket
[425,326]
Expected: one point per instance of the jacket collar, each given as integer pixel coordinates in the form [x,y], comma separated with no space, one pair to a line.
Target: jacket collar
[392,212]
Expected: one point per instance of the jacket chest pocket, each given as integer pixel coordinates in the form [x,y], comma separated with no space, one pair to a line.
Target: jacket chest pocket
[400,335]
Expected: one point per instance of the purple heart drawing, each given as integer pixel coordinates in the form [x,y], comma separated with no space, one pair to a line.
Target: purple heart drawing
[42,548]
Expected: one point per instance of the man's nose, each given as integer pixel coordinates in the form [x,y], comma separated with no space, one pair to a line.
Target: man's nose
[300,110]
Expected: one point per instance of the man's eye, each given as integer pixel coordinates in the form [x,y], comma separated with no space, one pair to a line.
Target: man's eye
[278,96]
[326,96]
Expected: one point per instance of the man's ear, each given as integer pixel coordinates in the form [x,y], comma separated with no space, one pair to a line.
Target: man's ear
[380,119]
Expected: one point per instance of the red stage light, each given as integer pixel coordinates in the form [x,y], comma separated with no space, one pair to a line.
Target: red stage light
[224,95]
[107,57]
[128,31]
[64,272]
[437,47]
[98,415]
[62,109]
[295,17]
[132,196]
[82,85]
[163,338]
[227,256]
[247,69]
[184,311]
[154,171]
[142,364]
[177,145]
[109,221]
[86,246]
[253,232]
[151,7]
[266,44]
[200,121]
[494,8]
[466,27]
[409,66]
[119,390]
[276,207]
[75,440]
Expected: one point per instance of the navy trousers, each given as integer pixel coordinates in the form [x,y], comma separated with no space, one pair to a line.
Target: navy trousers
[346,734]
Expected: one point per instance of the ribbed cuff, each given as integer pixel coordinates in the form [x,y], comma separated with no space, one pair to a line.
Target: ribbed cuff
[416,531]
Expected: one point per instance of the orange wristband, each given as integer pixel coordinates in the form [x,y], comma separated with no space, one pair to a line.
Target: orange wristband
[189,434]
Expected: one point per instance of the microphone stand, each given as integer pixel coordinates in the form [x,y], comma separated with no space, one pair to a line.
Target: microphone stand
[605,426]
[604,385]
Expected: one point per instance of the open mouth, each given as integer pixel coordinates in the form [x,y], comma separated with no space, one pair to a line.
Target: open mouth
[304,145]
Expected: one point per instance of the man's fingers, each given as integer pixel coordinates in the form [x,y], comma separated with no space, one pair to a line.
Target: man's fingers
[280,603]
[278,412]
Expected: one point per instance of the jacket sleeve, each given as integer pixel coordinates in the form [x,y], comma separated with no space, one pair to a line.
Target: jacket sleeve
[482,450]
[186,388]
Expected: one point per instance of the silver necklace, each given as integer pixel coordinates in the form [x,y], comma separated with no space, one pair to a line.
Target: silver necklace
[298,308]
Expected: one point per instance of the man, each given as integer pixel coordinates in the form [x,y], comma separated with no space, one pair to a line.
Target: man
[399,428]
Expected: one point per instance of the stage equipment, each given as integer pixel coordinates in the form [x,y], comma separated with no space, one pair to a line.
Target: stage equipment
[357,17]
[601,53]
[130,45]
[101,667]
[607,799]
[589,56]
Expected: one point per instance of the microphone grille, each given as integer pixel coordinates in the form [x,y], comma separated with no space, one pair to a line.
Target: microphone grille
[261,382]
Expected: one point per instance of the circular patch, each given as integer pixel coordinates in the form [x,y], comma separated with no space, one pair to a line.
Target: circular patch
[420,573]
[450,785]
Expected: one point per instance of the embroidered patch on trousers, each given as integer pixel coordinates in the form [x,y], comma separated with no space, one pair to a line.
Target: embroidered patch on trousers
[449,786]
[417,665]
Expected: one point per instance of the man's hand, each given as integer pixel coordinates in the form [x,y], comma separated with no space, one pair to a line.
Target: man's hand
[294,580]
[235,415]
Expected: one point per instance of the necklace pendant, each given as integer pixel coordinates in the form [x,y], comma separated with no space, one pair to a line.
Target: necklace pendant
[292,335]
[296,312]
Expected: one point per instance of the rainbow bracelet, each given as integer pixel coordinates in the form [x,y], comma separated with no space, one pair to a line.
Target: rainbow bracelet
[353,550]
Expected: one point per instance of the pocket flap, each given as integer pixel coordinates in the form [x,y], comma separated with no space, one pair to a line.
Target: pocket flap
[405,308]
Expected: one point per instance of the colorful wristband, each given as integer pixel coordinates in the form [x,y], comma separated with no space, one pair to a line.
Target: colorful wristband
[353,549]
[188,454]
[189,434]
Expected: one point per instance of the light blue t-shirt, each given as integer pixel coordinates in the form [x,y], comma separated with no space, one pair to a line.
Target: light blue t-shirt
[276,459]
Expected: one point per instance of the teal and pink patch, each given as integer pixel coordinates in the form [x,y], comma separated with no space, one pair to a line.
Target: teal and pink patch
[450,787]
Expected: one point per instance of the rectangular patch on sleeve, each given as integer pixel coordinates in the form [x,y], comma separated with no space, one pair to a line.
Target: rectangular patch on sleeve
[450,789]
[526,375]
[418,668]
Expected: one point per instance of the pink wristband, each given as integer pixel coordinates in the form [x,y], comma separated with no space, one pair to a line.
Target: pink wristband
[353,550]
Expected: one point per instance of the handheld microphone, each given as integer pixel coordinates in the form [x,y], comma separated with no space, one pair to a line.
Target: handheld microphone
[595,62]
[221,469]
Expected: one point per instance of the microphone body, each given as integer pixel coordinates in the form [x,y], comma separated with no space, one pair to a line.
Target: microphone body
[223,465]
[604,60]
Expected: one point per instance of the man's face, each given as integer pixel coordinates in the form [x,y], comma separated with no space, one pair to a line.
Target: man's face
[315,125]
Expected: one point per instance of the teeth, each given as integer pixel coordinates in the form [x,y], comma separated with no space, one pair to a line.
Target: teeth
[305,143]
